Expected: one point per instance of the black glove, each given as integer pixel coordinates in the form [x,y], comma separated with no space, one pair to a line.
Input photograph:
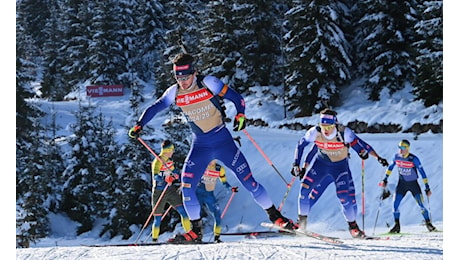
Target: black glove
[383,183]
[239,123]
[295,171]
[382,161]
[302,173]
[427,190]
[135,131]
[363,154]
[235,189]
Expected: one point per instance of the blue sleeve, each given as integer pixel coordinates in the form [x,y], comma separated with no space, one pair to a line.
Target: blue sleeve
[236,99]
[419,167]
[311,154]
[301,144]
[160,104]
[306,139]
[359,144]
[217,87]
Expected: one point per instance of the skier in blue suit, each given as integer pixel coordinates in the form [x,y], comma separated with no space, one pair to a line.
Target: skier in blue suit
[408,165]
[197,97]
[332,143]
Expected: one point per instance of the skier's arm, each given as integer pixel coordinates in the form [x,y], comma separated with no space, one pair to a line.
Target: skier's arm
[419,167]
[217,87]
[362,148]
[310,156]
[160,104]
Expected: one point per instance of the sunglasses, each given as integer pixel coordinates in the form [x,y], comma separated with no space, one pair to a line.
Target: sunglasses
[183,78]
[327,127]
[402,147]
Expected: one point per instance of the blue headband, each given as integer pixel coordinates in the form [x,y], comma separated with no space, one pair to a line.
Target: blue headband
[327,119]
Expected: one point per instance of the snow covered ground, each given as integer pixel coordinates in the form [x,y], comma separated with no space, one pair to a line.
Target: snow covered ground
[418,245]
[244,215]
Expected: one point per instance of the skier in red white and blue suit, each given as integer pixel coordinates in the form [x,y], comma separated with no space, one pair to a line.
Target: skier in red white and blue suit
[331,164]
[408,165]
[196,96]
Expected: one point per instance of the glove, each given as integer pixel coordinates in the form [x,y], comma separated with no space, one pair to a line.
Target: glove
[363,154]
[171,178]
[239,123]
[427,190]
[235,189]
[384,183]
[382,161]
[302,173]
[135,131]
[295,171]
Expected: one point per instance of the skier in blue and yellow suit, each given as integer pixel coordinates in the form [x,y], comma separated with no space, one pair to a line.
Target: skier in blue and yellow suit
[196,96]
[205,193]
[408,165]
[161,176]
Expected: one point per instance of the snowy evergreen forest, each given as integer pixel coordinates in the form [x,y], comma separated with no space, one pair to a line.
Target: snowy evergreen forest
[311,50]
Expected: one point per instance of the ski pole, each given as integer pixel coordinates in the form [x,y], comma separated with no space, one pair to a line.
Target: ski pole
[362,189]
[228,204]
[264,155]
[378,211]
[154,154]
[286,194]
[429,209]
[166,213]
[162,217]
[153,211]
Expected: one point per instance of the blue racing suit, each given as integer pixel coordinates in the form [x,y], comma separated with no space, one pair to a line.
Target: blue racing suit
[330,165]
[320,187]
[407,168]
[210,138]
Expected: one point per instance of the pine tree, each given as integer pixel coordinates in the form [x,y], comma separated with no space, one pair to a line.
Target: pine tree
[429,79]
[383,40]
[53,84]
[218,48]
[90,172]
[258,45]
[318,55]
[32,191]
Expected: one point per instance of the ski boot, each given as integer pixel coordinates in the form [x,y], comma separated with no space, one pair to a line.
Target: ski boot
[430,226]
[396,228]
[195,235]
[355,231]
[279,220]
[217,239]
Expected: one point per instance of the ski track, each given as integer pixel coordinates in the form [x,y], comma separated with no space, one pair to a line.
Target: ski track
[417,246]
